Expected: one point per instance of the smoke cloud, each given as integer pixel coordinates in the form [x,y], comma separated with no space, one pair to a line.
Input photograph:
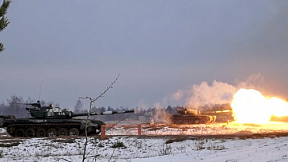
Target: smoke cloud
[204,94]
[217,93]
[160,115]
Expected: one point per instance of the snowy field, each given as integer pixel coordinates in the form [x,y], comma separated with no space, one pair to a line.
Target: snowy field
[184,143]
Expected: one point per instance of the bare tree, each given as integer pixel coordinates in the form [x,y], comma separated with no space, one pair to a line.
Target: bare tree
[3,19]
[92,100]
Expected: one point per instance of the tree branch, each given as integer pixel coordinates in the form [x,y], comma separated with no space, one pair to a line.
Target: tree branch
[90,107]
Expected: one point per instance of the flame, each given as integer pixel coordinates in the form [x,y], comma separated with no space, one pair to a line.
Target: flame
[250,106]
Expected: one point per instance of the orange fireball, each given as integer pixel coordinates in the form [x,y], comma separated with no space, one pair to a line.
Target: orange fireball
[250,106]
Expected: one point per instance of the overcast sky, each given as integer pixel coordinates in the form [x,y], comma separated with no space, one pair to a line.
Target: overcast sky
[77,48]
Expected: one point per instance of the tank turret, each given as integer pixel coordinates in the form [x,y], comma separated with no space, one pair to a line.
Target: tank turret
[53,121]
[187,111]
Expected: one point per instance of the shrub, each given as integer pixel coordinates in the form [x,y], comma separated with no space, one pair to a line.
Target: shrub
[118,144]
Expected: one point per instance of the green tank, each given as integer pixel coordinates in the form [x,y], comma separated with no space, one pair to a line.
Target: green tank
[50,121]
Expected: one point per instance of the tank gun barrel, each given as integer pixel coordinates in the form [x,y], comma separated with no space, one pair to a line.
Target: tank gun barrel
[36,104]
[103,113]
[30,108]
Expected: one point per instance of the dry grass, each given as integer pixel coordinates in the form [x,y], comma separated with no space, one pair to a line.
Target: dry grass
[180,139]
[10,142]
[64,140]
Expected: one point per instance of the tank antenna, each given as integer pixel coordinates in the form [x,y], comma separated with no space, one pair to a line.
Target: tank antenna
[40,90]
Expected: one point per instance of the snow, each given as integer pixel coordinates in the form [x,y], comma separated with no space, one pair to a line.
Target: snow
[146,149]
[154,145]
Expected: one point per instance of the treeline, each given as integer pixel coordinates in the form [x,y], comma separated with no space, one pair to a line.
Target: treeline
[16,106]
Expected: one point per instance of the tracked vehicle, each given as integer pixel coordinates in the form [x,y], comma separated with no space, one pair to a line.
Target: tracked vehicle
[189,116]
[49,121]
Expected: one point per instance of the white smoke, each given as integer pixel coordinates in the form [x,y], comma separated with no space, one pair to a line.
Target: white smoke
[174,99]
[204,94]
[160,115]
[215,94]
[178,95]
[255,81]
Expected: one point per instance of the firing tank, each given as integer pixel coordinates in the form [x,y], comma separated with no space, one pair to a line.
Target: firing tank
[190,116]
[50,121]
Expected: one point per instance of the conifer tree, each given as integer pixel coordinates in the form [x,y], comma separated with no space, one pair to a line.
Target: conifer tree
[3,19]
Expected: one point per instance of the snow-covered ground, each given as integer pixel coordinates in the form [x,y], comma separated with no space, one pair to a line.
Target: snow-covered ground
[145,149]
[154,145]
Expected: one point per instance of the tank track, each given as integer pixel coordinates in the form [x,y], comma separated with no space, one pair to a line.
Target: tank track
[48,130]
[188,119]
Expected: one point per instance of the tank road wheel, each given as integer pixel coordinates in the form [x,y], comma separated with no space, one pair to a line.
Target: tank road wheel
[41,132]
[19,133]
[52,132]
[213,119]
[197,121]
[11,129]
[185,121]
[30,132]
[62,132]
[74,132]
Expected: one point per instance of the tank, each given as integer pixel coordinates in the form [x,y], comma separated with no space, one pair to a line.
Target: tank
[50,121]
[190,116]
[222,116]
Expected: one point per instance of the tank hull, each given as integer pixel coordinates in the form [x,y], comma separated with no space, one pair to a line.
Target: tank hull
[190,119]
[50,121]
[31,127]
